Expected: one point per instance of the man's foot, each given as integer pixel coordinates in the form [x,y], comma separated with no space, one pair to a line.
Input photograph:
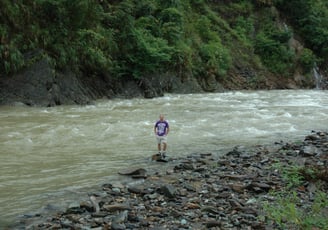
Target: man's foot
[163,154]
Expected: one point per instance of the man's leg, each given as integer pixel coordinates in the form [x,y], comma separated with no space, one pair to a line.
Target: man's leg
[164,146]
[158,144]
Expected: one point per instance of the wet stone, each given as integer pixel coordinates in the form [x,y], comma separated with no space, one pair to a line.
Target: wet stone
[199,191]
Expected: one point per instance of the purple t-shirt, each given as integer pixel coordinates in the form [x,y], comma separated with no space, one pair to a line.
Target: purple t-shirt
[161,126]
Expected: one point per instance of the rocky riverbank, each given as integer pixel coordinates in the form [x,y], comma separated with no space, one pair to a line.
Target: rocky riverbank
[42,85]
[205,191]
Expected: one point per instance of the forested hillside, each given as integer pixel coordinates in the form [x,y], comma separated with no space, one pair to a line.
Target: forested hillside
[234,43]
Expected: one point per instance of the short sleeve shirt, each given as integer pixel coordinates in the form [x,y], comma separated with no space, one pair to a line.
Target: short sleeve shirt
[161,127]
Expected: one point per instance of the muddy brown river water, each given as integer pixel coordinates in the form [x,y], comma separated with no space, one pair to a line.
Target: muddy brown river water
[53,155]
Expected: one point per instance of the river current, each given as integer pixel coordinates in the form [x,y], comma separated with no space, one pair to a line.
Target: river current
[51,156]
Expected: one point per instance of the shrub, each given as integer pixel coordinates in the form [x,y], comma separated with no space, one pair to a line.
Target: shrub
[12,58]
[307,59]
[215,58]
[275,55]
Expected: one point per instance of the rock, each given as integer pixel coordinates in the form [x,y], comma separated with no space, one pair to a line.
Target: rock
[199,192]
[115,207]
[118,226]
[42,85]
[212,224]
[133,171]
[192,206]
[95,204]
[309,151]
[260,185]
[74,208]
[121,217]
[209,209]
[238,187]
[156,157]
[137,190]
[168,190]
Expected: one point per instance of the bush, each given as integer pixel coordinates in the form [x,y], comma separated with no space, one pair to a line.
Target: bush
[244,28]
[12,59]
[91,47]
[182,59]
[310,18]
[275,55]
[151,54]
[215,58]
[307,59]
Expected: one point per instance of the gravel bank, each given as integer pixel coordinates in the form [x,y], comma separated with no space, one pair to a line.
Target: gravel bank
[202,191]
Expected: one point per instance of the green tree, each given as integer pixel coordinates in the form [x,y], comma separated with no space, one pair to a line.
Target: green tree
[310,17]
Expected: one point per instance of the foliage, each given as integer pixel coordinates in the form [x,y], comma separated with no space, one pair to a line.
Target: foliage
[244,27]
[286,209]
[171,24]
[216,59]
[91,47]
[307,59]
[203,27]
[292,175]
[275,55]
[150,55]
[14,17]
[137,38]
[271,44]
[285,205]
[182,59]
[310,17]
[12,58]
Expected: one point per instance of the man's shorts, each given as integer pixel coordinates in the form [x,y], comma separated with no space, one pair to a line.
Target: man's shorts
[161,139]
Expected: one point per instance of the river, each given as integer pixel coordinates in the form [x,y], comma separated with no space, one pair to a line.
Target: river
[51,156]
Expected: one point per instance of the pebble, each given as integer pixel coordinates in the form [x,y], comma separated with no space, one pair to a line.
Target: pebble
[200,191]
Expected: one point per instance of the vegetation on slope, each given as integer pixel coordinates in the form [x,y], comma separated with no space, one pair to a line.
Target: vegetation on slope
[130,39]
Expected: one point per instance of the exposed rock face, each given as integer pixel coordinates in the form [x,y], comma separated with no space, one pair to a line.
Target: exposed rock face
[42,85]
[27,87]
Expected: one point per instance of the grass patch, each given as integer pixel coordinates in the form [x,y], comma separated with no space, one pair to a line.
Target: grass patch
[294,206]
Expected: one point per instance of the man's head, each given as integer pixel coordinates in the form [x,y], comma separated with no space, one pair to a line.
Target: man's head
[161,117]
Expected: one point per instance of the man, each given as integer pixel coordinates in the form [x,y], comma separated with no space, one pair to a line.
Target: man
[161,129]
